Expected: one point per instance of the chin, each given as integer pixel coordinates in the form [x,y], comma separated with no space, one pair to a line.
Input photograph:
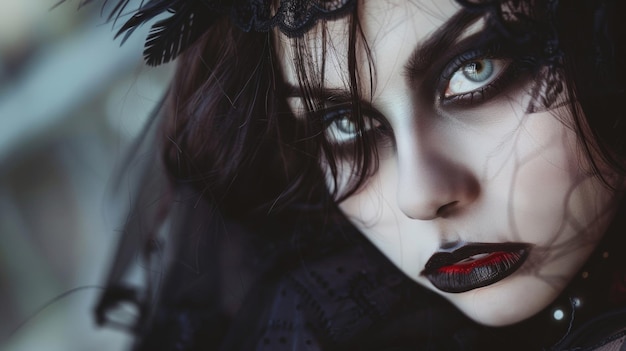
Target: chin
[507,302]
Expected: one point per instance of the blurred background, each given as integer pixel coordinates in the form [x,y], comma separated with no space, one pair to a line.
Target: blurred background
[71,101]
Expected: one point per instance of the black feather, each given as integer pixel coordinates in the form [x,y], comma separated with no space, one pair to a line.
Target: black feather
[168,37]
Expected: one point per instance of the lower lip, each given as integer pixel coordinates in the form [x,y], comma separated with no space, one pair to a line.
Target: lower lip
[466,276]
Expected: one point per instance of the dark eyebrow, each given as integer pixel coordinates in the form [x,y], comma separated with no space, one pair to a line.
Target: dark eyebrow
[438,43]
[419,62]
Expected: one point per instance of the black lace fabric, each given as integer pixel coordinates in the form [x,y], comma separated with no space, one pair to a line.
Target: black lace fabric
[292,17]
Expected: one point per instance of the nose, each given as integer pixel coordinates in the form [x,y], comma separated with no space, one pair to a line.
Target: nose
[432,184]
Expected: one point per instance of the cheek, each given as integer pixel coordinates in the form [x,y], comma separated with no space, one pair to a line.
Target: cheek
[375,198]
[341,183]
[544,178]
[552,198]
[366,207]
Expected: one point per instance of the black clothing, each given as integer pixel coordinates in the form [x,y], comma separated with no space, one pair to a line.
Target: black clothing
[325,287]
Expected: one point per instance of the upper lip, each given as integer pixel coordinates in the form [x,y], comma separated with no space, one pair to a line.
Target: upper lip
[448,257]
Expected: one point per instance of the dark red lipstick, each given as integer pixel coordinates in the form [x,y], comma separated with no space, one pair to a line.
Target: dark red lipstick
[474,265]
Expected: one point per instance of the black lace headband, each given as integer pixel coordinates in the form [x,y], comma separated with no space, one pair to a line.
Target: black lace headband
[189,19]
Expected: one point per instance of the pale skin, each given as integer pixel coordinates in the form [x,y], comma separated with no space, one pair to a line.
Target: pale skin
[488,172]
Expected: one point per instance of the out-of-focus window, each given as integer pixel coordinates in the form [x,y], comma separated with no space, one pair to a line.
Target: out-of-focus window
[71,100]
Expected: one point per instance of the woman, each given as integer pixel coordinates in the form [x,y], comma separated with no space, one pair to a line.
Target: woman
[383,175]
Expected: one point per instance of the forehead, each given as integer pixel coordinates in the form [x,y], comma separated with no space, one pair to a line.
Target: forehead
[415,18]
[392,29]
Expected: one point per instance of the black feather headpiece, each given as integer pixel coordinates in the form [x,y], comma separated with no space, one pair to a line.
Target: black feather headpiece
[189,19]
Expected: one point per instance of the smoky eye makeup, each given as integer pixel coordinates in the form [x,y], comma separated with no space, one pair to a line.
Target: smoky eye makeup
[475,77]
[479,73]
[339,124]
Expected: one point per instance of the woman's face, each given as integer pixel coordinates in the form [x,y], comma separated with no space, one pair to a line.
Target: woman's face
[475,198]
